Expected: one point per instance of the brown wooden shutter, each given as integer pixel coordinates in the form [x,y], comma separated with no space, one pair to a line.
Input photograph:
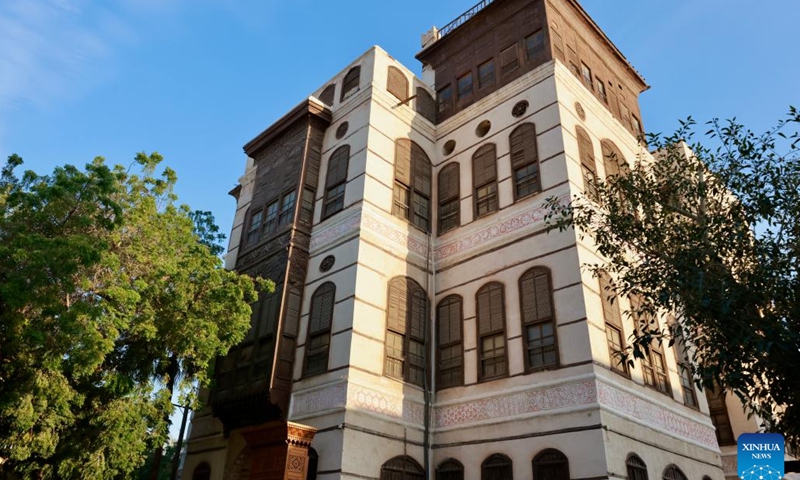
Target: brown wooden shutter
[398,305]
[536,294]
[422,170]
[426,105]
[449,315]
[291,319]
[351,82]
[402,161]
[322,308]
[484,165]
[610,308]
[326,96]
[397,83]
[585,149]
[448,182]
[523,145]
[337,166]
[490,308]
[418,310]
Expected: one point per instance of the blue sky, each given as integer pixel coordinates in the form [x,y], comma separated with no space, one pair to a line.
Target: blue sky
[195,80]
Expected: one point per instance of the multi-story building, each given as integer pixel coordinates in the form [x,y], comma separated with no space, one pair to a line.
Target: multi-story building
[424,322]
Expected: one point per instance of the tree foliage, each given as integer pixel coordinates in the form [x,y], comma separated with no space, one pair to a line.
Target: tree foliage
[112,298]
[711,233]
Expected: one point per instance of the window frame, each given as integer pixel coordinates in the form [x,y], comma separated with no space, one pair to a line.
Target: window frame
[326,289]
[538,47]
[507,68]
[636,468]
[527,162]
[456,471]
[490,199]
[336,185]
[440,346]
[507,464]
[550,458]
[397,83]
[444,103]
[448,220]
[287,210]
[404,330]
[351,83]
[254,230]
[492,332]
[411,194]
[586,75]
[488,80]
[402,467]
[464,92]
[533,273]
[612,318]
[588,162]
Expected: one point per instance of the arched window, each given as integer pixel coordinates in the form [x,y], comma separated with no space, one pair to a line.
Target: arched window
[326,96]
[202,472]
[426,105]
[538,319]
[402,468]
[588,165]
[615,336]
[550,464]
[449,201]
[525,161]
[313,464]
[484,180]
[405,331]
[492,331]
[637,469]
[412,184]
[350,83]
[450,469]
[335,181]
[448,324]
[319,329]
[613,161]
[672,472]
[397,83]
[497,467]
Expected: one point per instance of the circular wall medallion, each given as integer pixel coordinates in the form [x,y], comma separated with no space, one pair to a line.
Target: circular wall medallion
[327,263]
[483,128]
[449,146]
[342,130]
[520,108]
[580,111]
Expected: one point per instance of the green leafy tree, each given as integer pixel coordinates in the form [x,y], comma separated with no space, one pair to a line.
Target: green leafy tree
[711,233]
[113,302]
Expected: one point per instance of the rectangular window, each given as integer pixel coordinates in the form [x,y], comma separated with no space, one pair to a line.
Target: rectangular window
[416,362]
[587,76]
[637,126]
[307,207]
[272,217]
[655,372]
[317,356]
[614,339]
[541,345]
[486,199]
[689,396]
[450,369]
[509,60]
[465,86]
[334,200]
[601,90]
[400,207]
[394,355]
[255,227]
[486,74]
[718,411]
[493,356]
[421,207]
[526,180]
[444,99]
[534,43]
[589,182]
[287,208]
[449,213]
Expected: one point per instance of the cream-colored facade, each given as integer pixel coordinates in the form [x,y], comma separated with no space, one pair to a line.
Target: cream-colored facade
[578,405]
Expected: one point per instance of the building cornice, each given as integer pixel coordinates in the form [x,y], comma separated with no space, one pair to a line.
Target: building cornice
[308,108]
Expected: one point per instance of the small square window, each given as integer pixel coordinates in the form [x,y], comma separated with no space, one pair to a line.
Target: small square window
[465,86]
[587,76]
[509,60]
[444,99]
[486,74]
[534,43]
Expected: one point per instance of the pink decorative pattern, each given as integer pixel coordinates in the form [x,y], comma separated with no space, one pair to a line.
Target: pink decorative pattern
[394,235]
[304,403]
[517,404]
[378,402]
[654,415]
[324,236]
[525,219]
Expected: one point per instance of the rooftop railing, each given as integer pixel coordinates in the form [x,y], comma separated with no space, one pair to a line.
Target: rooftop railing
[464,17]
